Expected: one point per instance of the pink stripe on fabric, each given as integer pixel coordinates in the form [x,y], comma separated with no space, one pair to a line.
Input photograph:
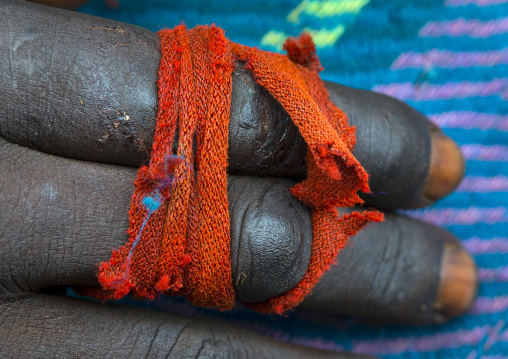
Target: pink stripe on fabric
[480,184]
[408,91]
[488,153]
[317,343]
[450,59]
[480,3]
[462,27]
[471,120]
[494,335]
[477,245]
[423,343]
[487,305]
[461,216]
[504,336]
[493,274]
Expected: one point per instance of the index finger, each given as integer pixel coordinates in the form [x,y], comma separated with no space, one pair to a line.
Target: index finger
[84,87]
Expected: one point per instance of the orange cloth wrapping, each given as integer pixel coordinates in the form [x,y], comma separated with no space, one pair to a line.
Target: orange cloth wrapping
[179,235]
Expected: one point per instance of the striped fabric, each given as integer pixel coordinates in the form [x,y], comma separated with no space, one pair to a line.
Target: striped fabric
[447,58]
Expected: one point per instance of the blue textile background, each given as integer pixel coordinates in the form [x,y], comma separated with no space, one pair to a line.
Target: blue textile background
[449,59]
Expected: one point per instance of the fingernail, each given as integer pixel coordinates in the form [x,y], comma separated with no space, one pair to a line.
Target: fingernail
[458,281]
[446,168]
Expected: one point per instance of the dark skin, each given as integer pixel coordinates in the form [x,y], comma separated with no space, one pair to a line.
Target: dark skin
[77,117]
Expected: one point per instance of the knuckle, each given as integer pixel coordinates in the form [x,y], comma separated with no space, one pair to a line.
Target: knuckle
[271,239]
[265,138]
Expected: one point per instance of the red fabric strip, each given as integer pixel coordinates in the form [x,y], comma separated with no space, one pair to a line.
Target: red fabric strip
[179,241]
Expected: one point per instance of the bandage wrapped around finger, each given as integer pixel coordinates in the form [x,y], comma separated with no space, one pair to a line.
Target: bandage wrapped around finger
[179,234]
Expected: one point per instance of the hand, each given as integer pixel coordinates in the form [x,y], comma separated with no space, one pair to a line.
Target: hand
[77,116]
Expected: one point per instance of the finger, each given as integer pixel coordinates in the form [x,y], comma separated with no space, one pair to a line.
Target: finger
[46,326]
[100,102]
[62,217]
[410,161]
[94,82]
[400,271]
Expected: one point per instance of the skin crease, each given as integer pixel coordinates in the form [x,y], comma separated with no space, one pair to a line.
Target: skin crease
[89,95]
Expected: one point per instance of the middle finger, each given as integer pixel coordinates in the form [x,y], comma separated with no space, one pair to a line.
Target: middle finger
[64,216]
